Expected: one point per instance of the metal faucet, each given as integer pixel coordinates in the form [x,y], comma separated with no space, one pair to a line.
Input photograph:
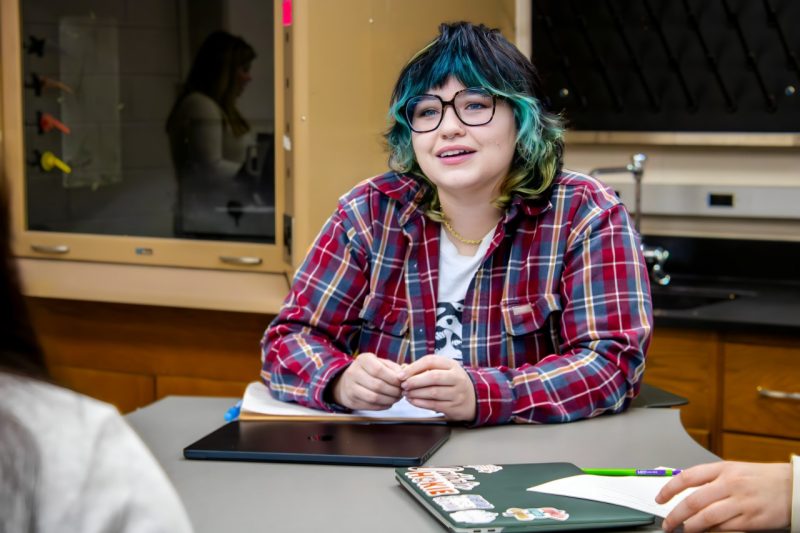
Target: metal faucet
[655,256]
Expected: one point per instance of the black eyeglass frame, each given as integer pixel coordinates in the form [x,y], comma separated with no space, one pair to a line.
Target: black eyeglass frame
[450,103]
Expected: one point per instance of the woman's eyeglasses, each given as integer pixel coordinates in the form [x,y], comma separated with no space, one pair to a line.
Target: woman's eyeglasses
[473,106]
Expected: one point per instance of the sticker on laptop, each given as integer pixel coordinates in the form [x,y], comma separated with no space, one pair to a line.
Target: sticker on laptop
[536,513]
[473,516]
[435,481]
[466,485]
[462,502]
[485,469]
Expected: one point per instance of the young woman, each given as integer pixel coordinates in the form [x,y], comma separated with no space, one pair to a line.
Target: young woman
[67,462]
[476,278]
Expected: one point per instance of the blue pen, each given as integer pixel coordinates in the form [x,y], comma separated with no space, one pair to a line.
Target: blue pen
[233,413]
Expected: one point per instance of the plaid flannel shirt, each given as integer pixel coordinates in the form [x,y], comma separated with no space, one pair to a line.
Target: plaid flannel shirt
[556,321]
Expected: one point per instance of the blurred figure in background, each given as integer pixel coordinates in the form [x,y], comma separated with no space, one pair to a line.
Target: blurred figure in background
[209,139]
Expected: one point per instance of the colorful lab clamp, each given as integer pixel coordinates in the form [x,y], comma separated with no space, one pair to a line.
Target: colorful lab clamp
[38,83]
[49,161]
[48,122]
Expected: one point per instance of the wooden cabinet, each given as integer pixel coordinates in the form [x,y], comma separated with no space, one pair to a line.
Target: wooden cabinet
[127,391]
[183,386]
[761,400]
[685,362]
[744,447]
[733,382]
[131,355]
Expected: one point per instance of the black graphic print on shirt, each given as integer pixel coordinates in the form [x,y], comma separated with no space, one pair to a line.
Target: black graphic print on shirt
[448,329]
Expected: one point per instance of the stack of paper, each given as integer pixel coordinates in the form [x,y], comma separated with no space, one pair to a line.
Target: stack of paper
[258,404]
[635,492]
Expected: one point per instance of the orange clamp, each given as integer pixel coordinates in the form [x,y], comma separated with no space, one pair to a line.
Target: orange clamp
[47,122]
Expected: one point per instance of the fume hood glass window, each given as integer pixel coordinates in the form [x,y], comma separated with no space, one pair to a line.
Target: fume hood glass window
[150,118]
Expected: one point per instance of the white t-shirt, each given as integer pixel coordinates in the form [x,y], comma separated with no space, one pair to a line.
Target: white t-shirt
[208,146]
[455,274]
[94,473]
[210,161]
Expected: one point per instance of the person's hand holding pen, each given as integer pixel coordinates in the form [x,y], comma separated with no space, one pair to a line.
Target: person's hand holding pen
[369,383]
[441,384]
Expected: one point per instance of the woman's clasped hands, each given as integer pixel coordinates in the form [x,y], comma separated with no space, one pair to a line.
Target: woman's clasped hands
[433,382]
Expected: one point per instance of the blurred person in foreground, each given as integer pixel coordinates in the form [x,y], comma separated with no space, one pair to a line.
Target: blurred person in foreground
[68,463]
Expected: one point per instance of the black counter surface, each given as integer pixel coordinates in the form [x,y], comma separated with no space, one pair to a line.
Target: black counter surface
[726,284]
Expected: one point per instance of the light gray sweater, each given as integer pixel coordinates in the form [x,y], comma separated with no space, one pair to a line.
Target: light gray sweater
[94,473]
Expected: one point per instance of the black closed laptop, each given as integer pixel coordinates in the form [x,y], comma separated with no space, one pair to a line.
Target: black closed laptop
[321,442]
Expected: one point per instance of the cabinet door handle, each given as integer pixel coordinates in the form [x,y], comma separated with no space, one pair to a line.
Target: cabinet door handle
[778,394]
[57,249]
[234,260]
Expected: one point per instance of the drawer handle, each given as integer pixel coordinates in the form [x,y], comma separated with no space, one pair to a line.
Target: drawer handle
[234,260]
[778,394]
[57,249]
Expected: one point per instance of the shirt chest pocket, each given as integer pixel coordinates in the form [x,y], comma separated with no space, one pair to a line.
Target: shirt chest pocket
[383,316]
[532,326]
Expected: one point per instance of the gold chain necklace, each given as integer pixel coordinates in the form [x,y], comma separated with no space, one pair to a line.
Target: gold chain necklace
[457,235]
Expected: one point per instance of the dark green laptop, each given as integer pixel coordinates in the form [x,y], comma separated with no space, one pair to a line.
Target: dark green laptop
[494,498]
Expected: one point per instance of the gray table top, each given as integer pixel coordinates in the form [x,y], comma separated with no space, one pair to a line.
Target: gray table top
[242,497]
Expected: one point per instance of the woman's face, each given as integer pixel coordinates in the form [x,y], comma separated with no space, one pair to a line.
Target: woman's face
[241,78]
[461,159]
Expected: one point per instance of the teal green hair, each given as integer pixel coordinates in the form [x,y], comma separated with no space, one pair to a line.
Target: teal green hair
[481,57]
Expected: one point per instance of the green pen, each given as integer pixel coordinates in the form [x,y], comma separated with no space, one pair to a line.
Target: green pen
[632,471]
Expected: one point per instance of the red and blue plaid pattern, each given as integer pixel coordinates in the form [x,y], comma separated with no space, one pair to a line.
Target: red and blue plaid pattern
[556,321]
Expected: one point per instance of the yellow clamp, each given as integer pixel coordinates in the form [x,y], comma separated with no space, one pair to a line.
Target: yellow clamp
[50,161]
